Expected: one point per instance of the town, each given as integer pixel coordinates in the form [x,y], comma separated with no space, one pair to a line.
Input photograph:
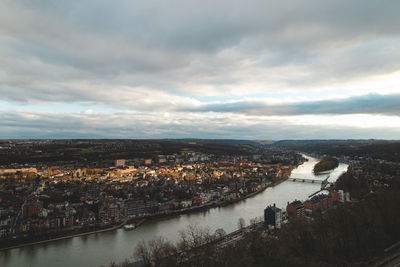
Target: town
[58,189]
[361,199]
[38,201]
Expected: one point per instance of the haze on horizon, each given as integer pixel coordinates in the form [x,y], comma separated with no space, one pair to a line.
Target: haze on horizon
[204,69]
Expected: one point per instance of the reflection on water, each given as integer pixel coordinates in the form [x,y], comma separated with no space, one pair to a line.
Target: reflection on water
[102,248]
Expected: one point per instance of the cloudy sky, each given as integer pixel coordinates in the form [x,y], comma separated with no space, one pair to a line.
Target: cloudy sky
[253,69]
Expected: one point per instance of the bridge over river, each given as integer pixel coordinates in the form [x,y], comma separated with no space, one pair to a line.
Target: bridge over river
[306,180]
[323,183]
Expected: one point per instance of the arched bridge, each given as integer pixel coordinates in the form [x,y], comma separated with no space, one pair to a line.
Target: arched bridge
[323,183]
[306,180]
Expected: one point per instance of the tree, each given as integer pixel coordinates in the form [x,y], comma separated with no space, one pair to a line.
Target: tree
[158,251]
[241,224]
[142,252]
[220,233]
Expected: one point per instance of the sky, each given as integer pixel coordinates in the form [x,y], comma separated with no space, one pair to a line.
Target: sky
[256,69]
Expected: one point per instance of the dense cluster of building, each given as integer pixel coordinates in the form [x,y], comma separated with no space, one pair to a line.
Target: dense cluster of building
[41,199]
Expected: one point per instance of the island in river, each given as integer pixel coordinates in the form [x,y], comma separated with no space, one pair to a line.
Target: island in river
[326,164]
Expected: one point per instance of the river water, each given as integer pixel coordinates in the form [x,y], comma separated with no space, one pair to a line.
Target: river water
[102,248]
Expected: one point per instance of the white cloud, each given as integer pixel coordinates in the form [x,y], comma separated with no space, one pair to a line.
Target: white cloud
[180,57]
[24,124]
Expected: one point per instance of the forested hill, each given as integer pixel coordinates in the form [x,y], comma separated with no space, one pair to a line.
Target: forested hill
[376,149]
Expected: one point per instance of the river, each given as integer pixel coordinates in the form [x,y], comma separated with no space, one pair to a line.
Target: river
[102,248]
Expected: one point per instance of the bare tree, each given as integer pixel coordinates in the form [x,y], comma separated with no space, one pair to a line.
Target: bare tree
[196,247]
[142,252]
[158,251]
[219,233]
[241,223]
[255,222]
[194,237]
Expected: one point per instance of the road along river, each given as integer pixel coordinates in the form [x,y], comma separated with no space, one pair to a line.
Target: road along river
[102,248]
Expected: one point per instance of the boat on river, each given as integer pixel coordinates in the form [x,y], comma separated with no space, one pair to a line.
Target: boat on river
[129,227]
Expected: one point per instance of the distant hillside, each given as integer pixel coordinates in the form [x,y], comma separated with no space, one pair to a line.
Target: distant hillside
[378,149]
[226,141]
[87,150]
[290,143]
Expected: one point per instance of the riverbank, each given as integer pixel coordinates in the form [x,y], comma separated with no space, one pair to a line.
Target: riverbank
[115,227]
[205,206]
[213,204]
[14,243]
[38,241]
[49,237]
